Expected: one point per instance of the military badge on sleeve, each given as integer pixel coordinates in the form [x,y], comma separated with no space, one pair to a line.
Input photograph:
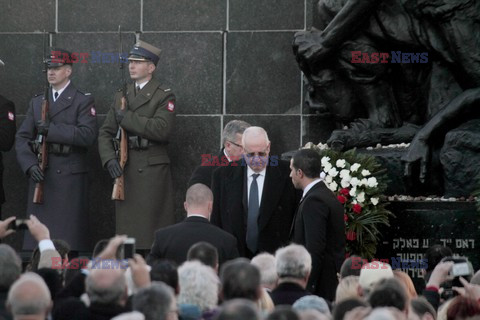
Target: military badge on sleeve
[171,106]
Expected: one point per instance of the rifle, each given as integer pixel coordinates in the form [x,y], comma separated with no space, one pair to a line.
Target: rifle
[41,140]
[121,140]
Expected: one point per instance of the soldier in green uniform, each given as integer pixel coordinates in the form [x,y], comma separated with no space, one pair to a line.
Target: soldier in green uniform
[148,121]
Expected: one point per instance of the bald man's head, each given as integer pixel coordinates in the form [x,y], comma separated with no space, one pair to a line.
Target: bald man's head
[199,200]
[29,295]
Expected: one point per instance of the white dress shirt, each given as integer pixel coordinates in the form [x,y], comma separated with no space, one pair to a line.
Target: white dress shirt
[310,186]
[59,91]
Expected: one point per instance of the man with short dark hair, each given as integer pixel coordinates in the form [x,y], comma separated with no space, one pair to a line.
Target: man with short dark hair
[240,279]
[205,253]
[318,224]
[148,120]
[389,293]
[70,128]
[173,242]
[232,151]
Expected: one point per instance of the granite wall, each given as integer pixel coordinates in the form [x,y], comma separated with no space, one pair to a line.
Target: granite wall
[224,59]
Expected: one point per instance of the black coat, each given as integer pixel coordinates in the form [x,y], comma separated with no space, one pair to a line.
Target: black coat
[7,135]
[174,241]
[277,206]
[204,172]
[287,293]
[73,122]
[319,226]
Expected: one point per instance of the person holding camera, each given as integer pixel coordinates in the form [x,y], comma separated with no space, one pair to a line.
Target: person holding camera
[148,121]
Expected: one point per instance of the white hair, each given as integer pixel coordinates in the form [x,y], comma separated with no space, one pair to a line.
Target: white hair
[293,261]
[29,295]
[266,264]
[254,132]
[199,285]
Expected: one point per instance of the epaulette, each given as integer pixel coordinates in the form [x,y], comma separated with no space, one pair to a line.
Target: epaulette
[39,94]
[85,93]
[165,89]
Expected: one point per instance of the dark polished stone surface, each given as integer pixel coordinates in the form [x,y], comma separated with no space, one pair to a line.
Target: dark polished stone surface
[266,14]
[250,89]
[282,140]
[22,76]
[27,16]
[419,225]
[100,75]
[186,147]
[316,128]
[191,64]
[191,15]
[97,16]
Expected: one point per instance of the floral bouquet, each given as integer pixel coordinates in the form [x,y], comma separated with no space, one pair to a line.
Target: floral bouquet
[358,181]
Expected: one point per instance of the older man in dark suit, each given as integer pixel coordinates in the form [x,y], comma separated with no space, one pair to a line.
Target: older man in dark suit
[318,223]
[173,242]
[255,200]
[232,151]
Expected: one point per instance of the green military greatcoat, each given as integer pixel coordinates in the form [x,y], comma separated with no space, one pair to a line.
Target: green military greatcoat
[149,193]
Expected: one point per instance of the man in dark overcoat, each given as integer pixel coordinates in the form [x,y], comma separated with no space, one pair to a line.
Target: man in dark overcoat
[70,129]
[148,121]
[7,135]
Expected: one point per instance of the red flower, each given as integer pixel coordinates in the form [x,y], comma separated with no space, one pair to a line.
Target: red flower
[351,235]
[345,192]
[345,217]
[357,208]
[342,199]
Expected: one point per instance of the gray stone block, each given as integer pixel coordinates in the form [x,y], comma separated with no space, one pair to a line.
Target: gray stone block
[178,15]
[191,65]
[283,131]
[266,14]
[99,76]
[262,74]
[27,16]
[22,76]
[97,16]
[192,137]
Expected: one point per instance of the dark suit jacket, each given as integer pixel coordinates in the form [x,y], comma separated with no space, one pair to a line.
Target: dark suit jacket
[320,227]
[277,206]
[287,293]
[174,241]
[203,173]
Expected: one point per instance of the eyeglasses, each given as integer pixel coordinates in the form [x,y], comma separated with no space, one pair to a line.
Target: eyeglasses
[236,144]
[256,154]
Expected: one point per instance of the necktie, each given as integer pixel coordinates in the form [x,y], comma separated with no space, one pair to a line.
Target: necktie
[137,89]
[252,221]
[55,96]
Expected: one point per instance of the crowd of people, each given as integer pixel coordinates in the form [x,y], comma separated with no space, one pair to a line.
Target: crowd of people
[269,286]
[263,238]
